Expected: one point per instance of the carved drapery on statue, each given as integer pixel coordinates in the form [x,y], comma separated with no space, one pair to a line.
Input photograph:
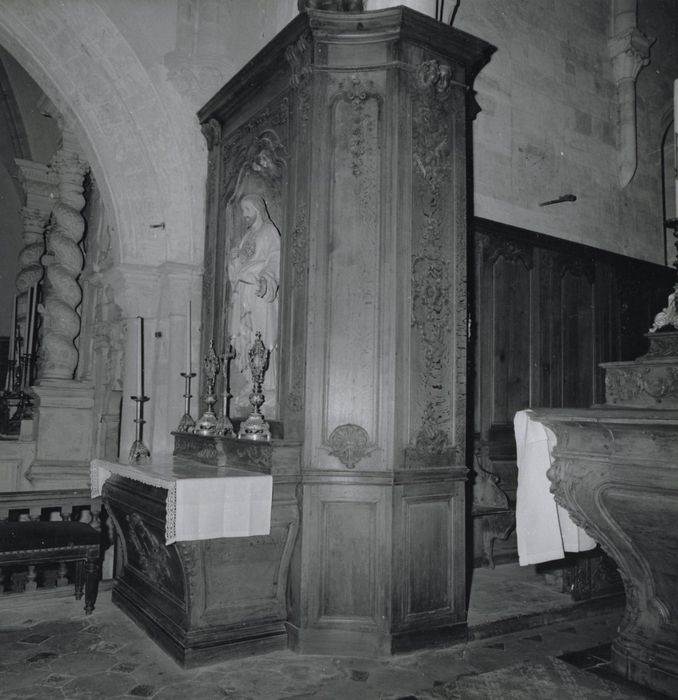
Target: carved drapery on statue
[63,262]
[254,162]
[254,277]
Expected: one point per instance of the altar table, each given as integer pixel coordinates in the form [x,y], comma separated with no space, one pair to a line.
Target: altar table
[205,548]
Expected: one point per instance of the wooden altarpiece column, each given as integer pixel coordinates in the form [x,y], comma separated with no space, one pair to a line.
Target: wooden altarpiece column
[354,129]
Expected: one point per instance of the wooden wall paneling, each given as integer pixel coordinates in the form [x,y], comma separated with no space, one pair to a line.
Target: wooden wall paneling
[507,323]
[575,316]
[429,604]
[607,323]
[585,306]
[346,550]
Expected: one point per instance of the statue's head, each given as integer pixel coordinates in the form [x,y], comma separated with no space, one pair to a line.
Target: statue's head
[253,208]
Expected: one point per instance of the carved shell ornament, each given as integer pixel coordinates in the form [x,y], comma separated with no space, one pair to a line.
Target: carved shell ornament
[349,444]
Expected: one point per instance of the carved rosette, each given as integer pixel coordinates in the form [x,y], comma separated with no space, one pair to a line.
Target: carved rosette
[350,444]
[63,262]
[431,271]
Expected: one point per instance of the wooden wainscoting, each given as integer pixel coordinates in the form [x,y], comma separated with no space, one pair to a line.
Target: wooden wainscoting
[546,313]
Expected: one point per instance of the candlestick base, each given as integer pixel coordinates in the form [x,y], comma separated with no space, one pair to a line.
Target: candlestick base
[139,453]
[186,424]
[254,428]
[207,425]
[224,427]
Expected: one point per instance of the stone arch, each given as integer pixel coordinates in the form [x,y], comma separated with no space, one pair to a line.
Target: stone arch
[143,145]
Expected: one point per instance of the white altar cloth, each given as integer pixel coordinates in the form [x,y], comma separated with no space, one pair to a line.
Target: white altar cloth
[202,502]
[544,530]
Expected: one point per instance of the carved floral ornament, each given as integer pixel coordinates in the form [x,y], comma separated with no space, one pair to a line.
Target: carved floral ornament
[628,384]
[262,155]
[431,272]
[350,444]
[434,77]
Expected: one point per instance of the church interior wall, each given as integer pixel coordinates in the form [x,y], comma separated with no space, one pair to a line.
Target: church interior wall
[548,124]
[129,77]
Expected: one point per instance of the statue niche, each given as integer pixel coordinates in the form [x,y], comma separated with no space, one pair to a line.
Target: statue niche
[253,266]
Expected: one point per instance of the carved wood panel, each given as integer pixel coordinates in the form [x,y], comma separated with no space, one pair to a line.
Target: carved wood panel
[354,274]
[346,585]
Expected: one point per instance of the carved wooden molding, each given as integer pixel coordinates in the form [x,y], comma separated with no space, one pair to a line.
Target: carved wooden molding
[662,345]
[511,251]
[299,247]
[656,382]
[350,444]
[151,553]
[431,270]
[211,130]
[257,148]
[299,57]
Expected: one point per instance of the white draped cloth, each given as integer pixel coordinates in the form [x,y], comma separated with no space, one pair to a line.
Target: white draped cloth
[235,504]
[544,530]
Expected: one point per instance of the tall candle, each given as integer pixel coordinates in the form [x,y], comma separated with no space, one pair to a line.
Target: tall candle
[188,340]
[140,357]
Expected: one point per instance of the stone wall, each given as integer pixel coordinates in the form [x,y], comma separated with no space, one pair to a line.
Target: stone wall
[548,124]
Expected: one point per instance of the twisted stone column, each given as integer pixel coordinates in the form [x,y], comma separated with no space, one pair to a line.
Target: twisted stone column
[38,184]
[63,263]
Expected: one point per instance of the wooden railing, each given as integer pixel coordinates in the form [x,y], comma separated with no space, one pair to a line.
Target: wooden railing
[54,505]
[66,504]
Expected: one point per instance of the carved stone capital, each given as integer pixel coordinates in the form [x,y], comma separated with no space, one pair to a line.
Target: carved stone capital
[39,183]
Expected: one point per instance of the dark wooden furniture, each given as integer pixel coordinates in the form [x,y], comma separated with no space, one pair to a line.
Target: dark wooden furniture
[354,129]
[206,600]
[45,542]
[546,313]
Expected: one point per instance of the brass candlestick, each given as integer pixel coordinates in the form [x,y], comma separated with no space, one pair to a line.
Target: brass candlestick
[255,427]
[139,453]
[207,425]
[224,425]
[187,424]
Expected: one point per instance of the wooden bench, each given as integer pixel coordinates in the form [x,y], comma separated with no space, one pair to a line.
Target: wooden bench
[42,542]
